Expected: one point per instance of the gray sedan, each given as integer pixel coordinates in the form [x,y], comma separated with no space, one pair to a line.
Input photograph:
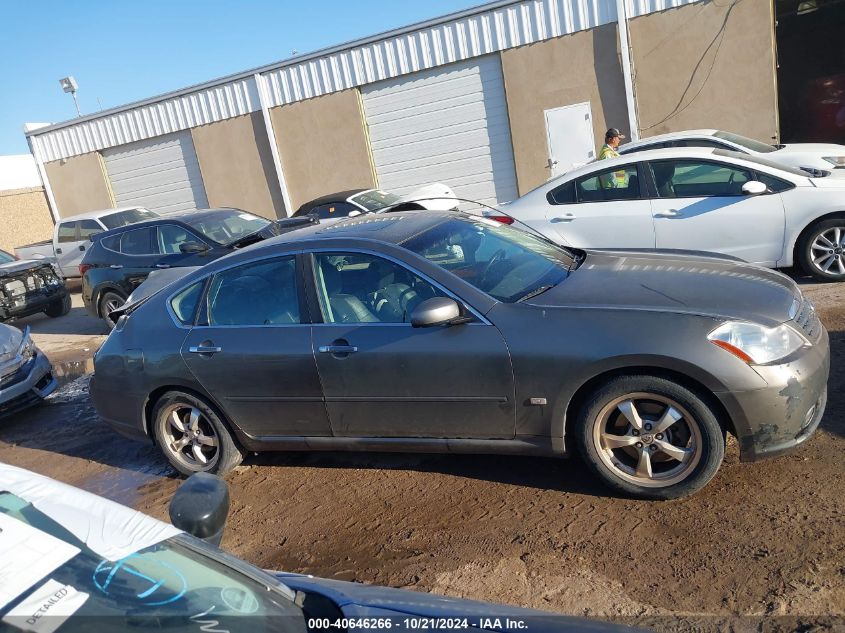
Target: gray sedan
[443,332]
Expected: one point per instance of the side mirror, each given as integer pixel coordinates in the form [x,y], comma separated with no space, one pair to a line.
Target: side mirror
[754,188]
[200,507]
[193,247]
[437,311]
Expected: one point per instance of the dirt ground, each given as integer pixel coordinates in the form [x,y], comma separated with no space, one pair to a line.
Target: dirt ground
[759,549]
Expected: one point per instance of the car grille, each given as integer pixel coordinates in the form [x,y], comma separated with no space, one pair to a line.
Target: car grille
[807,320]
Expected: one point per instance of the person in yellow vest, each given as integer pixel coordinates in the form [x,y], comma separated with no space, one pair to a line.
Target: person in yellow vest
[619,178]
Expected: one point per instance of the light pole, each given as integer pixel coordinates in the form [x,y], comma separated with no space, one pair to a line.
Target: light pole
[69,84]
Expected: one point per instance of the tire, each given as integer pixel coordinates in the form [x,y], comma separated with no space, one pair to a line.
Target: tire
[109,301]
[59,308]
[822,246]
[638,465]
[211,450]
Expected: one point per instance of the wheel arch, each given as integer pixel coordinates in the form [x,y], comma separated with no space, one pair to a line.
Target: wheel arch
[97,293]
[792,250]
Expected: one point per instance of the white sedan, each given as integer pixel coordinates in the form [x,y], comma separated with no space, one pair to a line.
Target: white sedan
[814,158]
[696,199]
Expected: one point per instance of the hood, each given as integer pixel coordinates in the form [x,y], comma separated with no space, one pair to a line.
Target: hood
[19,266]
[10,342]
[360,600]
[677,282]
[823,149]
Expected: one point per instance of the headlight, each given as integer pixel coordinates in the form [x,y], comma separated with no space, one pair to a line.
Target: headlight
[756,344]
[836,161]
[27,349]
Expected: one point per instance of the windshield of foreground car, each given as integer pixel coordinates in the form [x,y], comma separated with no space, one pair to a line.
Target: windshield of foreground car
[5,258]
[764,162]
[122,218]
[748,143]
[374,199]
[227,226]
[506,263]
[169,586]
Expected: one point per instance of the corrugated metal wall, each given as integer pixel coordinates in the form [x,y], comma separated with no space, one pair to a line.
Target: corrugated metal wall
[503,26]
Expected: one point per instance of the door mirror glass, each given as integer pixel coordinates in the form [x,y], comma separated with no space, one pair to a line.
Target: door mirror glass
[193,247]
[200,507]
[754,188]
[436,311]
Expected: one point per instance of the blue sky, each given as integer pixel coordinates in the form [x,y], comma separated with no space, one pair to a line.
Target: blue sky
[122,51]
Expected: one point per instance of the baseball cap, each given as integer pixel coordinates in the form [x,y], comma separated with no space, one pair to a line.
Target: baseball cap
[613,132]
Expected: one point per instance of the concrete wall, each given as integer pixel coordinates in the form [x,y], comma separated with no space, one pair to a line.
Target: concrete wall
[323,146]
[79,184]
[237,166]
[707,65]
[25,217]
[563,71]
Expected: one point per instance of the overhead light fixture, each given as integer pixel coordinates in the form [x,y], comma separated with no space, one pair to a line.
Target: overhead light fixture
[69,84]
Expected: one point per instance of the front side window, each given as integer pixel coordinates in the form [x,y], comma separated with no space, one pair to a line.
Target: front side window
[260,293]
[618,183]
[697,179]
[775,185]
[361,288]
[504,262]
[185,303]
[139,242]
[67,232]
[122,218]
[172,236]
[87,228]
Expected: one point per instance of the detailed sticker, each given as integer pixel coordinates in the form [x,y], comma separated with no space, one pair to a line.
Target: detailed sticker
[46,608]
[26,556]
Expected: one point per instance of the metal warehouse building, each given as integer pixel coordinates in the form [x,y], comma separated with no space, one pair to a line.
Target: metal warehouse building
[492,101]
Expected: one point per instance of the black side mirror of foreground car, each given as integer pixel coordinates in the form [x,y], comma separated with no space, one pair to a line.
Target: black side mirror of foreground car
[200,507]
[193,247]
[438,311]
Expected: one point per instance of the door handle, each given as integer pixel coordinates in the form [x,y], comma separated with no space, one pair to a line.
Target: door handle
[205,349]
[566,217]
[82,247]
[670,213]
[58,251]
[162,265]
[338,349]
[116,266]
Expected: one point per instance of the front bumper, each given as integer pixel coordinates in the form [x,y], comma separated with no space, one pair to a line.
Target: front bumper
[779,418]
[30,384]
[32,302]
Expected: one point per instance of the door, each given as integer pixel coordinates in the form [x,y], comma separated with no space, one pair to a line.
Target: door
[161,174]
[608,208]
[569,132]
[253,354]
[67,246]
[449,124]
[699,205]
[383,378]
[140,254]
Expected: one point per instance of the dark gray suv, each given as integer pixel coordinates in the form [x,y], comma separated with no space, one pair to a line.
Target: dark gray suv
[443,332]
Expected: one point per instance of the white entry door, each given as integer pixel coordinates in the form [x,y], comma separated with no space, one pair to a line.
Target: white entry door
[570,135]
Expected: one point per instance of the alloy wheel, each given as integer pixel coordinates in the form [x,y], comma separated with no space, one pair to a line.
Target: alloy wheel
[648,440]
[827,251]
[189,436]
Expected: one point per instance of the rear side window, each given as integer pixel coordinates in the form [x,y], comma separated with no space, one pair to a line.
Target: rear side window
[112,243]
[261,293]
[565,194]
[67,232]
[139,242]
[87,228]
[185,304]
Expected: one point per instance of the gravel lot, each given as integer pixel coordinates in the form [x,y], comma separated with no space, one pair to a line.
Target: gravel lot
[760,549]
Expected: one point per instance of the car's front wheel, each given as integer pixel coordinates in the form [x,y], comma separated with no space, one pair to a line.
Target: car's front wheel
[192,436]
[58,308]
[821,250]
[650,437]
[109,302]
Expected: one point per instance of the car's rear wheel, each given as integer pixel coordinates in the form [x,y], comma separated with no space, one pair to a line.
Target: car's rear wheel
[192,436]
[650,437]
[821,250]
[109,301]
[58,308]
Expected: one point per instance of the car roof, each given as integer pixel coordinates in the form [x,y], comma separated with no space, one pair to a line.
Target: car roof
[670,136]
[93,215]
[649,154]
[338,196]
[170,218]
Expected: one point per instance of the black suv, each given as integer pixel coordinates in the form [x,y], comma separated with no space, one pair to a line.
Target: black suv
[120,259]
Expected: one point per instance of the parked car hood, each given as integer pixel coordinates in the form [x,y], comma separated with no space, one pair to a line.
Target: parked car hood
[10,342]
[825,149]
[18,266]
[360,600]
[723,288]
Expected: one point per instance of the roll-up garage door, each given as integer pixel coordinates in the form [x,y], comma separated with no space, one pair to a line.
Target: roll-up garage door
[448,125]
[161,173]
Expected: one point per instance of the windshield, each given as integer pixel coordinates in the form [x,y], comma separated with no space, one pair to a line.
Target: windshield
[763,162]
[374,199]
[744,141]
[506,263]
[227,225]
[5,258]
[122,218]
[171,585]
